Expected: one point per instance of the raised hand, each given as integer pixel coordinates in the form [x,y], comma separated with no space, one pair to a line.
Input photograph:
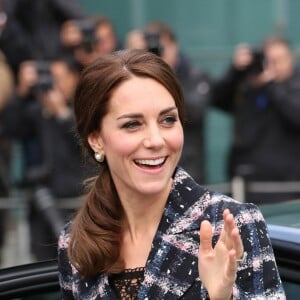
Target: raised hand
[55,104]
[218,265]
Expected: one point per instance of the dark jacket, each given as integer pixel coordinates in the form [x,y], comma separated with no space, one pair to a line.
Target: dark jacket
[196,86]
[266,142]
[63,156]
[171,270]
[51,152]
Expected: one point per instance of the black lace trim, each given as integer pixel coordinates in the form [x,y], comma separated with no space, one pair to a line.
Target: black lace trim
[126,284]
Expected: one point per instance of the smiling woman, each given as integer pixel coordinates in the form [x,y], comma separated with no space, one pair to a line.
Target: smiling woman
[137,235]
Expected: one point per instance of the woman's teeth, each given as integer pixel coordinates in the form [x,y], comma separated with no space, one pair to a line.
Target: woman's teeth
[151,162]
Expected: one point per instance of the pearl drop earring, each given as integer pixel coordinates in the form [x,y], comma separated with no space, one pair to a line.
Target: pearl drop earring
[99,157]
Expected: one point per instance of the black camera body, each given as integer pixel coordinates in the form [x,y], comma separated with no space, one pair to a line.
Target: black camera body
[152,39]
[258,60]
[45,81]
[87,29]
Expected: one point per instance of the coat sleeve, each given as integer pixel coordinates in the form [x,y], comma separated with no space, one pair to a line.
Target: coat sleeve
[64,268]
[257,276]
[226,88]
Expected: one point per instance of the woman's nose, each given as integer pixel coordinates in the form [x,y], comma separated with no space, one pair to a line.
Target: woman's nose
[153,138]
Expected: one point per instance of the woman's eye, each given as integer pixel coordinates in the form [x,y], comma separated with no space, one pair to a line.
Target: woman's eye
[169,120]
[131,125]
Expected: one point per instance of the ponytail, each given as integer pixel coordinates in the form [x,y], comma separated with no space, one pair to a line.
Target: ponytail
[96,230]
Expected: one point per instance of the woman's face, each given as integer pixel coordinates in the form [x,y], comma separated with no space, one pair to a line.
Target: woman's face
[142,138]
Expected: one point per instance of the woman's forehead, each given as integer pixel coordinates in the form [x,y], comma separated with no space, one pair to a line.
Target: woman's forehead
[140,94]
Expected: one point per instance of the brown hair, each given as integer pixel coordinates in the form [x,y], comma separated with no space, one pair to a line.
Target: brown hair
[275,40]
[6,82]
[96,230]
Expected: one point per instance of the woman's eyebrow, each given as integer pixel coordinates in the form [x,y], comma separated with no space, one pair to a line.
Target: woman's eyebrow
[164,111]
[140,115]
[131,116]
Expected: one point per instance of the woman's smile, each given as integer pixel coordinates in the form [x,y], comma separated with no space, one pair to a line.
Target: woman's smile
[151,163]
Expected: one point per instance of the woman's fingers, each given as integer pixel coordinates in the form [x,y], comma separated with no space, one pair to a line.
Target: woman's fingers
[205,237]
[230,235]
[232,265]
[228,226]
[237,243]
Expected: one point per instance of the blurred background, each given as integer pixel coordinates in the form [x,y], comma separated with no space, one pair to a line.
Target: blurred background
[44,46]
[208,31]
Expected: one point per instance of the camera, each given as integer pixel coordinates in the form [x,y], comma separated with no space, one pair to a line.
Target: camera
[152,39]
[45,81]
[257,65]
[87,29]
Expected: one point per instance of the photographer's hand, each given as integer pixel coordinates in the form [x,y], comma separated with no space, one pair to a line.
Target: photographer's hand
[218,265]
[55,104]
[266,76]
[242,57]
[27,77]
[70,35]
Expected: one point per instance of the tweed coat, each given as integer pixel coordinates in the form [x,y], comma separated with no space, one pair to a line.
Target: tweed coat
[171,270]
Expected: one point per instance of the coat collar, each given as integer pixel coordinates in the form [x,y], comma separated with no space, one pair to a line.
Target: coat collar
[172,265]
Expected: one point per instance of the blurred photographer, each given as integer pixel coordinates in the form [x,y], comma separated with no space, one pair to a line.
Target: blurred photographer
[78,39]
[32,28]
[262,91]
[18,122]
[62,169]
[88,38]
[107,40]
[56,169]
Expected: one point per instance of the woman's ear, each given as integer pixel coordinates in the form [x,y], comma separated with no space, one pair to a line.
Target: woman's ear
[95,141]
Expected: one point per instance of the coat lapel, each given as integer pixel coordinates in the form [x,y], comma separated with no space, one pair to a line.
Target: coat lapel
[172,265]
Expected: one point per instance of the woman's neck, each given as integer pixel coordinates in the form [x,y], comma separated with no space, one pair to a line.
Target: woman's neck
[142,217]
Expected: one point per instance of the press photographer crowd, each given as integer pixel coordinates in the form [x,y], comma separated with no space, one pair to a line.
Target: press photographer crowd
[43,50]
